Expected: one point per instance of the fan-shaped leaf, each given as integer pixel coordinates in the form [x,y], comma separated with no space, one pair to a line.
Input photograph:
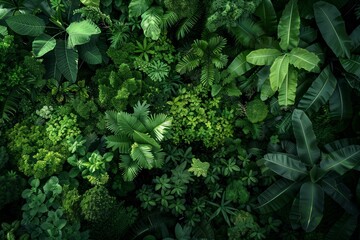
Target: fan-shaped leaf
[287,91]
[278,71]
[311,203]
[80,32]
[342,160]
[332,28]
[130,168]
[127,124]
[340,104]
[247,32]
[351,65]
[289,26]
[141,111]
[303,59]
[239,65]
[265,56]
[306,144]
[186,25]
[43,44]
[285,166]
[158,125]
[120,142]
[138,7]
[319,92]
[144,138]
[26,24]
[66,61]
[266,12]
[143,155]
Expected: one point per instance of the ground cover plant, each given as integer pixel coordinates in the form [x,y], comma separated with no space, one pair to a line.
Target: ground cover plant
[179,119]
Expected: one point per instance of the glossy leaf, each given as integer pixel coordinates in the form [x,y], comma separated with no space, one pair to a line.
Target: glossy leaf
[265,56]
[80,32]
[67,61]
[303,59]
[266,12]
[278,71]
[306,144]
[319,92]
[239,65]
[332,28]
[311,204]
[351,65]
[285,166]
[289,26]
[287,91]
[43,44]
[26,24]
[340,103]
[138,7]
[342,160]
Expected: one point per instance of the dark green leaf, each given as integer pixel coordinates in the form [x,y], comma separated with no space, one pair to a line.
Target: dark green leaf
[43,44]
[351,65]
[340,104]
[239,65]
[289,26]
[343,229]
[138,7]
[66,61]
[26,24]
[266,12]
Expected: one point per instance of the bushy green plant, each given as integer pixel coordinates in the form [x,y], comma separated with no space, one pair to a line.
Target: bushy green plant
[237,192]
[245,227]
[256,110]
[60,128]
[11,186]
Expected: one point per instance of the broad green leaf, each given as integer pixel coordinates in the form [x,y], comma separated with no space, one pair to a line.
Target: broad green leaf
[355,38]
[294,215]
[340,103]
[3,31]
[277,195]
[319,92]
[215,89]
[287,91]
[278,71]
[340,143]
[265,56]
[307,34]
[303,59]
[353,81]
[311,205]
[306,144]
[340,193]
[91,3]
[247,32]
[332,28]
[3,12]
[143,155]
[239,65]
[51,65]
[118,142]
[199,168]
[90,53]
[151,22]
[343,229]
[266,12]
[266,91]
[285,166]
[341,160]
[43,44]
[66,61]
[138,7]
[80,32]
[351,65]
[289,26]
[26,24]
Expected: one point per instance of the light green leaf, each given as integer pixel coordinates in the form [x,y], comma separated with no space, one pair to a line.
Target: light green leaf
[340,103]
[265,56]
[145,138]
[239,65]
[319,92]
[351,65]
[151,22]
[266,91]
[311,203]
[289,26]
[91,3]
[285,166]
[90,53]
[199,168]
[143,155]
[26,24]
[306,144]
[287,91]
[278,71]
[266,12]
[66,61]
[3,31]
[80,32]
[43,44]
[3,12]
[138,7]
[341,160]
[303,59]
[332,28]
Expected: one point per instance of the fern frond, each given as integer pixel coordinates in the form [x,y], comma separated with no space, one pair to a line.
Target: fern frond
[187,63]
[169,19]
[129,167]
[143,155]
[141,111]
[199,47]
[186,26]
[216,44]
[127,124]
[158,125]
[207,74]
[219,60]
[120,142]
[247,32]
[111,121]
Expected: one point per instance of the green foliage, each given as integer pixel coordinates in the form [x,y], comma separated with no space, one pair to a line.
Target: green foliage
[182,8]
[236,192]
[199,168]
[256,111]
[11,187]
[71,203]
[245,227]
[61,128]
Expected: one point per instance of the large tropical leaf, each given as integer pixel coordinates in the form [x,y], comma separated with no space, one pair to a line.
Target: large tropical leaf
[289,26]
[43,44]
[129,167]
[118,142]
[306,144]
[287,91]
[151,22]
[66,61]
[332,28]
[127,124]
[294,215]
[158,125]
[278,71]
[342,160]
[340,193]
[91,3]
[143,155]
[319,92]
[311,205]
[343,229]
[266,12]
[351,65]
[26,24]
[138,7]
[265,56]
[80,32]
[277,195]
[303,59]
[90,53]
[247,32]
[355,38]
[340,104]
[145,138]
[239,65]
[340,143]
[285,166]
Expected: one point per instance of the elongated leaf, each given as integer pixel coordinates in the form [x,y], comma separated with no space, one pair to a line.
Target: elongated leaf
[351,65]
[311,204]
[306,144]
[343,229]
[332,28]
[340,193]
[265,56]
[144,138]
[287,91]
[319,92]
[294,215]
[52,70]
[307,34]
[247,32]
[151,22]
[239,65]
[138,7]
[285,166]
[277,195]
[90,53]
[340,143]
[26,24]
[303,59]
[3,31]
[266,12]
[355,38]
[289,26]
[43,44]
[143,155]
[67,61]
[80,32]
[340,104]
[278,72]
[266,91]
[3,11]
[342,160]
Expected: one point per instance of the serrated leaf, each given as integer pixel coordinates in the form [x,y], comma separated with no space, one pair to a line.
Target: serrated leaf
[199,168]
[43,44]
[138,7]
[265,56]
[303,59]
[80,32]
[278,71]
[26,24]
[287,91]
[67,61]
[289,26]
[351,65]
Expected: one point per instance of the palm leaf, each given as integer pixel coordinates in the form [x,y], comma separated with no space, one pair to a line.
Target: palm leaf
[247,32]
[127,124]
[143,155]
[111,121]
[187,63]
[207,74]
[129,167]
[289,26]
[158,125]
[217,44]
[144,138]
[343,229]
[186,25]
[141,111]
[9,105]
[118,142]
